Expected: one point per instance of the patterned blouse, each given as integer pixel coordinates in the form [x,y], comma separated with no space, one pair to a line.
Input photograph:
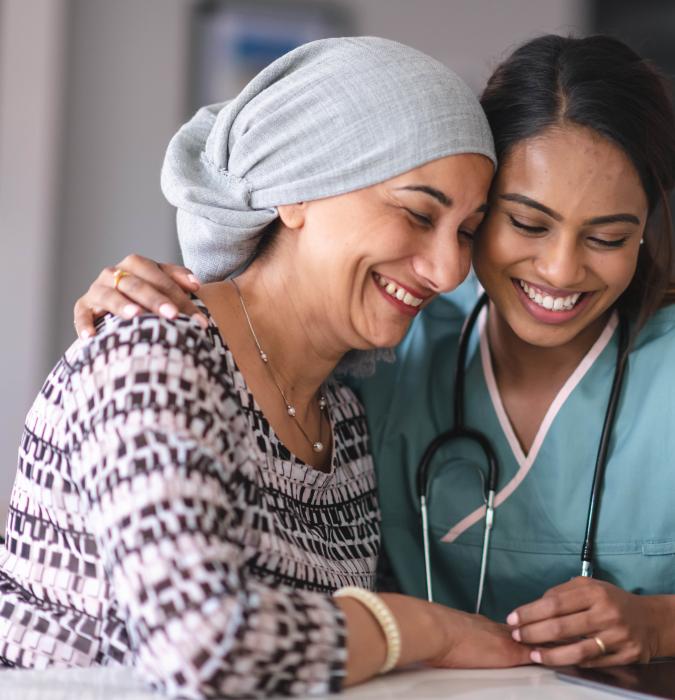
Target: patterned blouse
[157,521]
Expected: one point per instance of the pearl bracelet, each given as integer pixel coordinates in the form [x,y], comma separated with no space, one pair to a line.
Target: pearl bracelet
[381,612]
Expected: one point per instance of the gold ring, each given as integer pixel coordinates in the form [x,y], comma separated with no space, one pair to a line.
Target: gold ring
[118,276]
[601,645]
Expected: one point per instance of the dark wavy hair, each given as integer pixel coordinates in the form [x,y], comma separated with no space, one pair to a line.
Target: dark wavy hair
[600,83]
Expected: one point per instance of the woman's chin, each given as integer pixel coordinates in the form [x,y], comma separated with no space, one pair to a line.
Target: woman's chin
[388,338]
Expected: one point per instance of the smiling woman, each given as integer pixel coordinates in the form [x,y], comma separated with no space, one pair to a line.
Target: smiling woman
[191,492]
[577,236]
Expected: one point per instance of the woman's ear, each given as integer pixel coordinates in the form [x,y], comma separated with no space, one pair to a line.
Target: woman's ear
[292,215]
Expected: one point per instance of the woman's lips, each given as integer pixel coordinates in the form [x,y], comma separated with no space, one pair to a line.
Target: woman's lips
[401,297]
[552,316]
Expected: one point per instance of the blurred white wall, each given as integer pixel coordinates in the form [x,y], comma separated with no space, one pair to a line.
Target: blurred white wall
[470,36]
[90,93]
[32,82]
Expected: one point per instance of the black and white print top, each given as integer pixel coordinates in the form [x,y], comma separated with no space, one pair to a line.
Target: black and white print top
[157,521]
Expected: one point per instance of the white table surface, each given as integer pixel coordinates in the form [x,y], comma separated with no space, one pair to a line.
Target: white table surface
[509,684]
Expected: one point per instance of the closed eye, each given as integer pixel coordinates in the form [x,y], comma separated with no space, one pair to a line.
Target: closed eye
[420,218]
[524,227]
[604,243]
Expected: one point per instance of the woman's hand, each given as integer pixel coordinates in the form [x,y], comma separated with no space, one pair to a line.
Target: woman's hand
[476,642]
[431,634]
[570,618]
[160,288]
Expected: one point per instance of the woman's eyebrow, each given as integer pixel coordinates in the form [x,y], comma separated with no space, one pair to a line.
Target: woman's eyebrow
[612,219]
[522,199]
[595,221]
[432,192]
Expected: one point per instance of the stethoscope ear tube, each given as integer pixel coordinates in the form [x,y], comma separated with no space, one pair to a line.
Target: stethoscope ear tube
[601,459]
[456,433]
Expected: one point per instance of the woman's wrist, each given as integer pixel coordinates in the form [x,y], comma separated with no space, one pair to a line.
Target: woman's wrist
[662,621]
[424,634]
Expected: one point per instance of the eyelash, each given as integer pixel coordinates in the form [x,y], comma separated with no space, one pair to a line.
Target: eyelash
[420,218]
[427,222]
[618,243]
[542,229]
[525,227]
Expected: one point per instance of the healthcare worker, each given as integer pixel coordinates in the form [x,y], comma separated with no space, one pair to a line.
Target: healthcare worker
[577,235]
[576,245]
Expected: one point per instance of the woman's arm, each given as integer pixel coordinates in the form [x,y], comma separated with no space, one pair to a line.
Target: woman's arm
[162,485]
[572,616]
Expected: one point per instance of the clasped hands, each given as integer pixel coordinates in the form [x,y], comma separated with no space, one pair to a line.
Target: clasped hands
[587,622]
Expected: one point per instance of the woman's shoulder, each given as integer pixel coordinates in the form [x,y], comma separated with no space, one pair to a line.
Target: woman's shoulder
[657,332]
[149,330]
[145,350]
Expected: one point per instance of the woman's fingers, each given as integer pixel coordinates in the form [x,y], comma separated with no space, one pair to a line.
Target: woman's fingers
[568,654]
[158,287]
[181,276]
[95,303]
[556,603]
[555,629]
[84,320]
[145,285]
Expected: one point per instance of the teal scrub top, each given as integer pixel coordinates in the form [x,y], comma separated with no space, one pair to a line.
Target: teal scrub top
[542,498]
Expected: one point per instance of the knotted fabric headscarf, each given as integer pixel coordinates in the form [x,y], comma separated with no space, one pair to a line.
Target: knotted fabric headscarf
[330,117]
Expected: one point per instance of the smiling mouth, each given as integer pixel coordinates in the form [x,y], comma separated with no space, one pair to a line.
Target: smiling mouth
[399,293]
[547,300]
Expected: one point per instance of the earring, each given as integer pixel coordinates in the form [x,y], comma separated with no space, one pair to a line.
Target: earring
[642,241]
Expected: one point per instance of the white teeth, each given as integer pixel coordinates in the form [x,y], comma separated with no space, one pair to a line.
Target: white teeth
[547,301]
[398,292]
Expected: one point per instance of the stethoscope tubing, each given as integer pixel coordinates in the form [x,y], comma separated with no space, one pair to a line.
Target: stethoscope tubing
[587,551]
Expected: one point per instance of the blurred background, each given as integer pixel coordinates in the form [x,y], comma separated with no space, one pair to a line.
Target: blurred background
[92,90]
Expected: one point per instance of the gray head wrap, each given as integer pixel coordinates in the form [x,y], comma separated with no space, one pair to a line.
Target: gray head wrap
[330,117]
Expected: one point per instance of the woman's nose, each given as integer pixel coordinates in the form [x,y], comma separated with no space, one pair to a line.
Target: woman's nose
[560,263]
[445,263]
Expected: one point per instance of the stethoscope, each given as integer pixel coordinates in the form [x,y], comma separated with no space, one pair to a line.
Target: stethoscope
[460,431]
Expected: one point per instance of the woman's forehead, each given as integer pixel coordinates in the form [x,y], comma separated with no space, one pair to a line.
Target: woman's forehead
[571,167]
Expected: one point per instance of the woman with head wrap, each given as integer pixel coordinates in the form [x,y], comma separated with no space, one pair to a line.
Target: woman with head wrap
[575,254]
[189,496]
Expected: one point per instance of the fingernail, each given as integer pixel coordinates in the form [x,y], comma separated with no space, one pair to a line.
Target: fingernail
[512,619]
[85,335]
[193,280]
[535,657]
[516,635]
[130,310]
[168,310]
[201,320]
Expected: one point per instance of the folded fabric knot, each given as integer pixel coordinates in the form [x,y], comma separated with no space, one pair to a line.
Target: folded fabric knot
[238,187]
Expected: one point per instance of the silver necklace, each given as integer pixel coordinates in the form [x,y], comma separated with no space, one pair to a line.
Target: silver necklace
[317,446]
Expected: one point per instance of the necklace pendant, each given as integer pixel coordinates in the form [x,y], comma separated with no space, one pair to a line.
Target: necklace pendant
[291,410]
[263,357]
[318,446]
